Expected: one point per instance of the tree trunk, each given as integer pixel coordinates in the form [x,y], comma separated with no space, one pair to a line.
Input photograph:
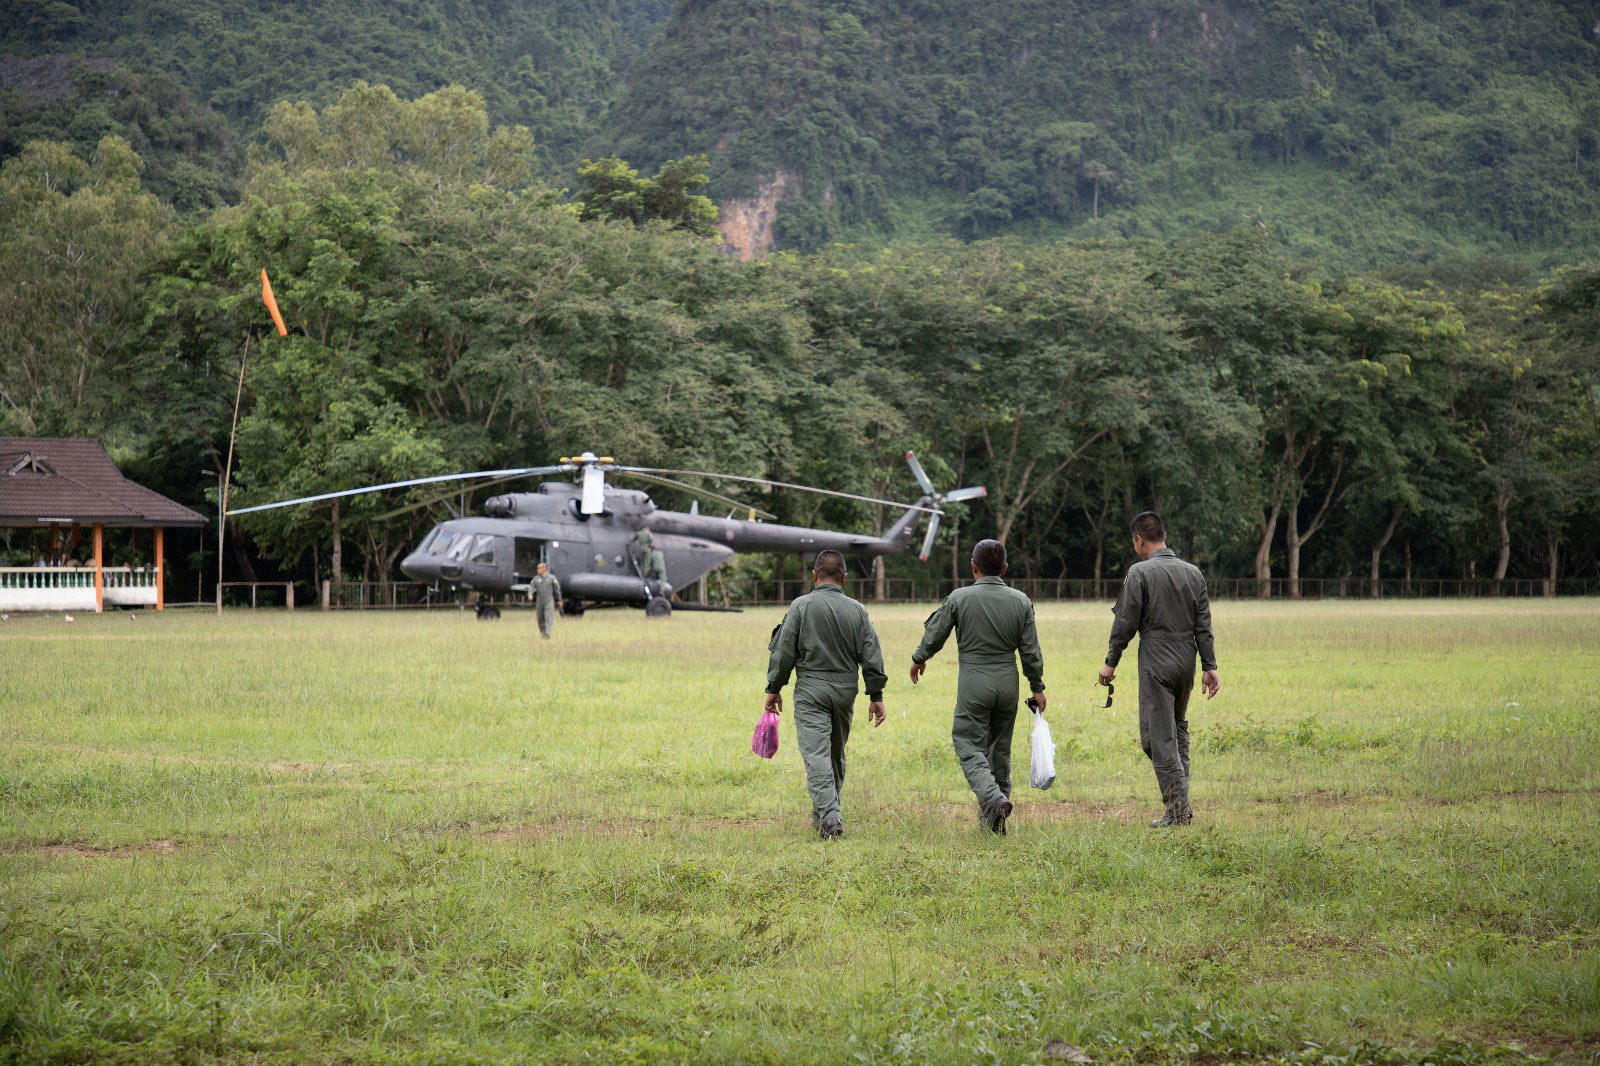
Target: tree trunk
[338,547]
[880,580]
[1407,579]
[955,556]
[1502,510]
[1552,557]
[1099,561]
[1377,550]
[1269,529]
[1292,542]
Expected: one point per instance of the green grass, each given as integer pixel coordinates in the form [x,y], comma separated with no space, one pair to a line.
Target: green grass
[415,838]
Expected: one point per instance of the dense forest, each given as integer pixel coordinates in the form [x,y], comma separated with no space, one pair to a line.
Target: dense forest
[1307,278]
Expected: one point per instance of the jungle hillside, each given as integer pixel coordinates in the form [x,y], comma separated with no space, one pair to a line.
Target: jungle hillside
[1357,132]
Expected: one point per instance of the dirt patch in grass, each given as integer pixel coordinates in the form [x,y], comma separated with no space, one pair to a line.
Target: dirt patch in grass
[626,827]
[95,851]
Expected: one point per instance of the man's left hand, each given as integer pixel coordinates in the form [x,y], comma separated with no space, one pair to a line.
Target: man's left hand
[916,671]
[1211,683]
[775,702]
[1107,674]
[875,712]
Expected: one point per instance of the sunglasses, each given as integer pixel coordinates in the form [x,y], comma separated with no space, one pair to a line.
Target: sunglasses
[1110,691]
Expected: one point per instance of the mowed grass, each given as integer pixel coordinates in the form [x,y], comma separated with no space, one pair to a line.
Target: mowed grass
[403,837]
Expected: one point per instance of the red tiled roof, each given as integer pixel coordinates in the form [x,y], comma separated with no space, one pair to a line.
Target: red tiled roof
[43,478]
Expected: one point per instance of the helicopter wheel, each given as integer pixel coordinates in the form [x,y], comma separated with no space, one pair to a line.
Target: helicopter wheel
[658,608]
[487,613]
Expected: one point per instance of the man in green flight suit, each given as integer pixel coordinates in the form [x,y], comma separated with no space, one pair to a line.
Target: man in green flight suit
[1164,601]
[545,592]
[652,564]
[993,623]
[823,640]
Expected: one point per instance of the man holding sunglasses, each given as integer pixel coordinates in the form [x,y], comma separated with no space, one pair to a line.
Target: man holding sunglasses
[1164,601]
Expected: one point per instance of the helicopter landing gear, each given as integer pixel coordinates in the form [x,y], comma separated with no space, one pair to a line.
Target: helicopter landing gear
[659,607]
[487,613]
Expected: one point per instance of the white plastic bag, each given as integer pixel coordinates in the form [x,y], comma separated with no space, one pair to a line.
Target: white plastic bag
[1042,774]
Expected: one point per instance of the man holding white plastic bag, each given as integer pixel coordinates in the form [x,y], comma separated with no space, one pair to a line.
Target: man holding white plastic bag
[993,623]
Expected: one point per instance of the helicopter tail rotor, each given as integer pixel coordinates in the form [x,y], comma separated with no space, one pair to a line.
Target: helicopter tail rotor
[939,499]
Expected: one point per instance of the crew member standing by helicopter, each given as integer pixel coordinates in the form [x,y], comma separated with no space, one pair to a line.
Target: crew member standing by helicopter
[545,592]
[652,565]
[824,639]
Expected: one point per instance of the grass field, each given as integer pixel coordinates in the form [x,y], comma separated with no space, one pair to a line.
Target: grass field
[405,837]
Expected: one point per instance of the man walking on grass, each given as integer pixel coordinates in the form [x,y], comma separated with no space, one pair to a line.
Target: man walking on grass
[993,623]
[823,640]
[1164,601]
[545,592]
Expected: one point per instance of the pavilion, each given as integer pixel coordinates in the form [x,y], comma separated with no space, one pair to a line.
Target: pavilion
[70,485]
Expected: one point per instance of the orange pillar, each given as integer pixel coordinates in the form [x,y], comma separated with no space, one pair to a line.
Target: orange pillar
[161,575]
[99,568]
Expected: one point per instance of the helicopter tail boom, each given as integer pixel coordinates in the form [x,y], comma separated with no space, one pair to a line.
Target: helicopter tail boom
[744,536]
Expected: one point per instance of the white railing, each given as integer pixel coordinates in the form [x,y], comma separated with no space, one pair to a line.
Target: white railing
[71,588]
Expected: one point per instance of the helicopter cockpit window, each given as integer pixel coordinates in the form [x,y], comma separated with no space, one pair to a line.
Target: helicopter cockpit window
[441,543]
[459,547]
[483,549]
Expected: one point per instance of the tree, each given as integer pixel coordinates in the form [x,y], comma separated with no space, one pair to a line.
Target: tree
[614,190]
[74,237]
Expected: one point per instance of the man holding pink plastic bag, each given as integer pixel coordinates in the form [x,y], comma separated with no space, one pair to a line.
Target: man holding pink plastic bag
[823,640]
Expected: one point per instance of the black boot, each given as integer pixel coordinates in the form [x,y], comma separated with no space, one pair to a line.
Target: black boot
[832,829]
[994,818]
[1178,813]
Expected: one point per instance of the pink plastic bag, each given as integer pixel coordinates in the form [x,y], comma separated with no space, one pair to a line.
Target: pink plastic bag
[764,741]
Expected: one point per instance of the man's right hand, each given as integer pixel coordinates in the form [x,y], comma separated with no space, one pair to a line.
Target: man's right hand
[1210,682]
[916,671]
[775,702]
[1039,701]
[1107,674]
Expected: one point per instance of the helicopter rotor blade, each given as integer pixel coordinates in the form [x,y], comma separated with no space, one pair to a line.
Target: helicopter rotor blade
[927,541]
[717,496]
[526,471]
[920,474]
[957,495]
[442,498]
[777,485]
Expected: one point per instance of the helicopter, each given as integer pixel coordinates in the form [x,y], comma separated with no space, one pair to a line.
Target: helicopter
[586,530]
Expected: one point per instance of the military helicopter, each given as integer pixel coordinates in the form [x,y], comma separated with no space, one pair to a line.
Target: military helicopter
[586,531]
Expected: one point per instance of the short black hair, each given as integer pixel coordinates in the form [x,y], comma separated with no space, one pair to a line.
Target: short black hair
[829,564]
[989,556]
[1148,525]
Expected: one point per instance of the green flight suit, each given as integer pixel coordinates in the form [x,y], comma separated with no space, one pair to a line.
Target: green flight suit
[823,640]
[1164,601]
[546,595]
[652,564]
[993,623]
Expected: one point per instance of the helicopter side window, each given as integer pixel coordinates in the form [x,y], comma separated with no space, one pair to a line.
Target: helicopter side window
[459,547]
[483,549]
[441,543]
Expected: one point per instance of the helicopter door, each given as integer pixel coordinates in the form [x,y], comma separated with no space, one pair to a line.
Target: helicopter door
[530,553]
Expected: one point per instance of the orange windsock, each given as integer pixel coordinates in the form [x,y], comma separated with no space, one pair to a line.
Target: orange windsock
[272,305]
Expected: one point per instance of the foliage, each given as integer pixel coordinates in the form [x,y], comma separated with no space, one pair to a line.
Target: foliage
[545,65]
[1471,123]
[190,156]
[74,237]
[447,314]
[612,189]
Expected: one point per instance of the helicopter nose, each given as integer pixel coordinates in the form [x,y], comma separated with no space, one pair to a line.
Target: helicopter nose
[420,567]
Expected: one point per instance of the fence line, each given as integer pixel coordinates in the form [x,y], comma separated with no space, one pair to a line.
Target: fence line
[759,592]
